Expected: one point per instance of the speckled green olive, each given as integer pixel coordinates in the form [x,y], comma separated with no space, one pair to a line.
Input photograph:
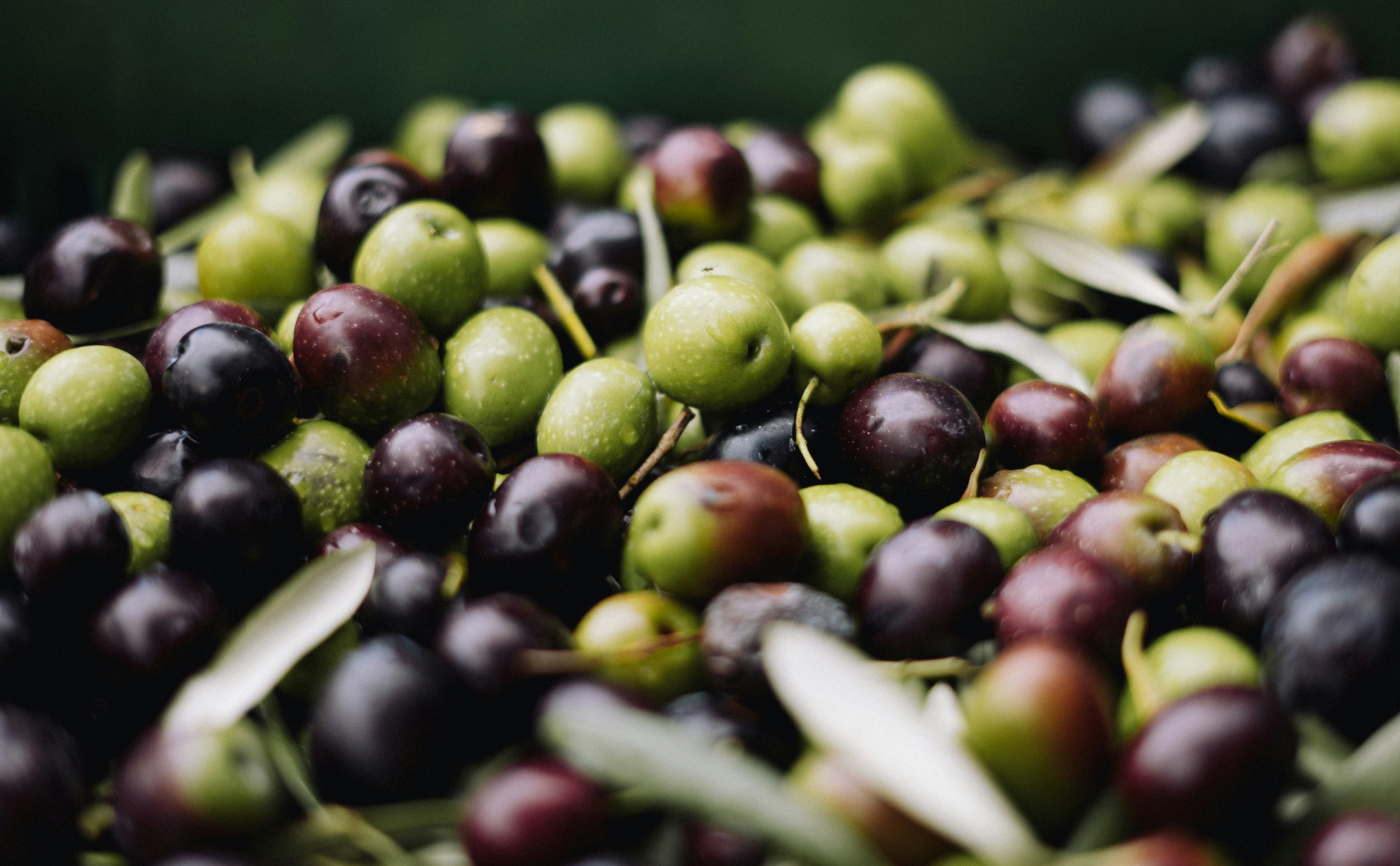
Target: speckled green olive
[26,482]
[499,370]
[292,196]
[25,344]
[147,522]
[1087,343]
[1046,496]
[1275,447]
[1372,306]
[624,630]
[1330,296]
[744,264]
[838,345]
[1040,295]
[1236,224]
[1198,287]
[716,344]
[256,259]
[777,224]
[587,155]
[1007,526]
[1354,136]
[286,331]
[423,133]
[1198,481]
[325,464]
[834,270]
[901,105]
[925,258]
[11,309]
[863,182]
[846,524]
[513,251]
[1307,326]
[603,410]
[427,256]
[1185,661]
[1169,210]
[86,405]
[1102,209]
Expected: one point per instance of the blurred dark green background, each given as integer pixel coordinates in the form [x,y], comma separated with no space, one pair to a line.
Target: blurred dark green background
[82,83]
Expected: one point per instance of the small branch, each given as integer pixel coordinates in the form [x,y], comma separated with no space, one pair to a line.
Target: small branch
[1147,698]
[1255,252]
[564,309]
[975,480]
[959,192]
[797,426]
[668,441]
[1184,540]
[896,345]
[927,669]
[908,315]
[538,662]
[242,172]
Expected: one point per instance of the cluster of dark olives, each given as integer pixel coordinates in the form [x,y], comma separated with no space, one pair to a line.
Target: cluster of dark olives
[1151,544]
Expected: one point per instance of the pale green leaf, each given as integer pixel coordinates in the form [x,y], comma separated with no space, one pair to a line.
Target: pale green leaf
[1094,264]
[1021,345]
[1159,145]
[131,191]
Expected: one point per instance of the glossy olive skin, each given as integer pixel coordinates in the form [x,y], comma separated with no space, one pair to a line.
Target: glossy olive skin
[920,591]
[1160,373]
[428,478]
[1132,464]
[25,344]
[1358,837]
[734,624]
[1370,520]
[496,165]
[93,275]
[406,597]
[1046,496]
[180,186]
[609,302]
[365,357]
[1123,528]
[1044,422]
[41,789]
[355,199]
[551,531]
[941,357]
[1104,112]
[352,535]
[163,463]
[1253,545]
[1062,593]
[1331,373]
[600,239]
[534,812]
[1242,382]
[1215,760]
[160,348]
[1332,643]
[1310,53]
[782,163]
[702,183]
[1324,476]
[763,433]
[69,556]
[232,388]
[911,439]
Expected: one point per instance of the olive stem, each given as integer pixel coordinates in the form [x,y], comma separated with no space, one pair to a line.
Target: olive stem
[242,172]
[1184,540]
[1211,308]
[961,191]
[974,481]
[286,758]
[1147,699]
[668,441]
[114,333]
[797,427]
[656,258]
[564,309]
[927,669]
[897,344]
[456,575]
[922,313]
[131,191]
[542,662]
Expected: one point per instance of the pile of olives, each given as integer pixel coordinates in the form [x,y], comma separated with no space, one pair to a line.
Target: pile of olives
[1165,586]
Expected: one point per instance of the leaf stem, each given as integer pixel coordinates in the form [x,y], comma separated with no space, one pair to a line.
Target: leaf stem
[668,441]
[974,481]
[797,426]
[1255,252]
[564,309]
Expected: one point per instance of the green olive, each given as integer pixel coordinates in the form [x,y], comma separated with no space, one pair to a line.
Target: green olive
[1237,223]
[86,405]
[499,370]
[256,259]
[634,635]
[587,155]
[1196,482]
[513,251]
[901,105]
[926,258]
[25,344]
[838,345]
[287,327]
[147,522]
[834,270]
[293,197]
[325,464]
[777,224]
[1354,135]
[1372,307]
[26,481]
[603,410]
[1185,661]
[1305,327]
[846,524]
[423,133]
[1046,496]
[1103,209]
[744,264]
[1087,343]
[1040,296]
[863,182]
[1007,526]
[1275,447]
[1169,211]
[740,132]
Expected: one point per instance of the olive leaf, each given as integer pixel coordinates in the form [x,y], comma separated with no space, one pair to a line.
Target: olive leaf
[656,257]
[1392,380]
[1159,145]
[657,761]
[1094,264]
[1374,210]
[294,620]
[846,706]
[131,191]
[1021,345]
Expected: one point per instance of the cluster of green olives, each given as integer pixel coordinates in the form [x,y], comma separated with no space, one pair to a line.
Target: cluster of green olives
[1100,463]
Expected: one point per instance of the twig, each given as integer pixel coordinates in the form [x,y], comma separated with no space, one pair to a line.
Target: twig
[927,669]
[539,662]
[797,426]
[907,315]
[1241,272]
[974,481]
[1185,540]
[668,441]
[897,344]
[959,192]
[564,309]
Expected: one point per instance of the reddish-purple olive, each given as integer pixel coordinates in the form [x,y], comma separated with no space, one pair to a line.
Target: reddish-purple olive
[1160,373]
[160,348]
[941,357]
[181,186]
[702,183]
[608,302]
[1311,52]
[496,165]
[782,163]
[539,812]
[70,556]
[1329,374]
[1360,837]
[1324,476]
[1047,423]
[94,274]
[706,845]
[1139,535]
[352,535]
[1063,593]
[1130,465]
[355,199]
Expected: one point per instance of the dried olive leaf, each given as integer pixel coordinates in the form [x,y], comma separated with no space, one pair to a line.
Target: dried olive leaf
[1159,145]
[1374,210]
[1094,264]
[131,191]
[1021,345]
[843,704]
[656,760]
[294,620]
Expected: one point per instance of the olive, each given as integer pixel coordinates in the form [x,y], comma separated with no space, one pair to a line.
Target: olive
[925,257]
[1358,837]
[355,199]
[1046,496]
[160,348]
[706,845]
[782,163]
[747,265]
[496,165]
[484,641]
[1311,52]
[1242,382]
[702,183]
[1329,374]
[1132,464]
[407,597]
[70,556]
[535,812]
[1161,372]
[764,433]
[163,463]
[1353,131]
[1324,476]
[87,405]
[608,302]
[845,524]
[1063,593]
[901,105]
[1046,423]
[1210,75]
[778,224]
[1104,112]
[1007,526]
[940,357]
[499,346]
[604,238]
[182,186]
[1289,439]
[832,269]
[603,410]
[93,275]
[25,344]
[1138,534]
[646,642]
[1236,224]
[587,153]
[1370,520]
[1183,662]
[1196,482]
[1243,127]
[41,789]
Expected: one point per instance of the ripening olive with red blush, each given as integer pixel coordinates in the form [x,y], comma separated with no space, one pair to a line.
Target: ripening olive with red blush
[1160,373]
[1329,374]
[95,274]
[1047,423]
[1359,837]
[702,183]
[782,163]
[355,199]
[496,165]
[1130,465]
[539,812]
[1063,593]
[1139,535]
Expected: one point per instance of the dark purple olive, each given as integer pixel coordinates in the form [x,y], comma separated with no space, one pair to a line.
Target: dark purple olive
[93,275]
[1160,373]
[41,789]
[70,555]
[352,535]
[1103,113]
[406,597]
[1130,465]
[552,531]
[160,348]
[1310,53]
[920,592]
[1210,75]
[940,357]
[764,433]
[608,302]
[1242,382]
[1243,127]
[428,478]
[702,184]
[1332,643]
[1215,760]
[355,199]
[782,163]
[539,812]
[1139,535]
[163,463]
[644,132]
[231,388]
[1329,374]
[1063,593]
[496,165]
[1047,423]
[17,244]
[601,239]
[181,186]
[566,213]
[1359,837]
[1253,545]
[17,663]
[237,524]
[389,726]
[1370,521]
[735,621]
[706,845]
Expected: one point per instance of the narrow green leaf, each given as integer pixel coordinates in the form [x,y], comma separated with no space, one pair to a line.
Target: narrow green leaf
[316,150]
[843,704]
[1160,144]
[1021,345]
[131,191]
[193,229]
[115,333]
[655,255]
[1094,264]
[294,620]
[656,760]
[1374,210]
